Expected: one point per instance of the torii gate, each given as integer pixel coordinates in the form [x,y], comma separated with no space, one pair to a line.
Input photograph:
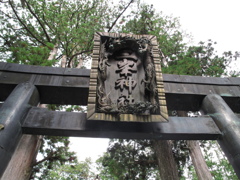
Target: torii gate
[22,87]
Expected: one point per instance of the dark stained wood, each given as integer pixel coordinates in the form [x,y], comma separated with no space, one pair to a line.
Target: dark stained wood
[228,123]
[70,86]
[120,81]
[12,114]
[30,69]
[44,122]
[238,115]
[53,89]
[200,80]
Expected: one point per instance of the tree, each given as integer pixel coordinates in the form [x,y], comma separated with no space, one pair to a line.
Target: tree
[69,25]
[167,29]
[79,171]
[128,159]
[54,152]
[201,60]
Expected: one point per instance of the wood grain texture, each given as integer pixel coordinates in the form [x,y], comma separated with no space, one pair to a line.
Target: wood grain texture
[71,86]
[44,122]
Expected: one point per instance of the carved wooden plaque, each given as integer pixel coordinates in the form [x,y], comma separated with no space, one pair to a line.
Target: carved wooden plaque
[126,80]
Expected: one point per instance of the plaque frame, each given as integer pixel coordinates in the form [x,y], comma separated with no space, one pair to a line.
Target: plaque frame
[92,111]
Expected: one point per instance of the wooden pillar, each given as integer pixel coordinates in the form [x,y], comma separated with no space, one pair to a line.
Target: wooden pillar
[229,124]
[20,166]
[12,113]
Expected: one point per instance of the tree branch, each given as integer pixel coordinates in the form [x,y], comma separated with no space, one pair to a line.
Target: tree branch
[24,25]
[50,156]
[42,26]
[69,62]
[44,19]
[113,24]
[6,14]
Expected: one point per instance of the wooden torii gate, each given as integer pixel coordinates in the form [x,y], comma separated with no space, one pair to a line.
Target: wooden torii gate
[22,87]
[127,97]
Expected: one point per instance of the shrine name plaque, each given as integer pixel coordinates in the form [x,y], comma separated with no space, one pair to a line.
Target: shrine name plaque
[126,80]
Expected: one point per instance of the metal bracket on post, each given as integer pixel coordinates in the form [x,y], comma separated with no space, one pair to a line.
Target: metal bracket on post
[12,114]
[229,125]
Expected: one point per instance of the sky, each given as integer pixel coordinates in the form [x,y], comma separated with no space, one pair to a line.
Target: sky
[217,20]
[206,19]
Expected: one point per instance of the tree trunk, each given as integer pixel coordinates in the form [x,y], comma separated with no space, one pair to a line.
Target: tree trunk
[80,62]
[166,163]
[198,161]
[20,166]
[53,52]
[64,61]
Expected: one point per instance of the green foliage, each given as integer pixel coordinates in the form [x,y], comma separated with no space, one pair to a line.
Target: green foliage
[23,53]
[67,108]
[145,20]
[177,57]
[37,27]
[191,174]
[54,152]
[128,159]
[199,60]
[181,156]
[217,162]
[79,171]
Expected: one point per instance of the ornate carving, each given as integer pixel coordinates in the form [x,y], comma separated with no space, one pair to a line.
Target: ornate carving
[126,76]
[150,79]
[127,51]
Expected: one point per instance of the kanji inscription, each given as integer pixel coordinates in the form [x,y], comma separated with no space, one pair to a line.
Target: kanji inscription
[126,80]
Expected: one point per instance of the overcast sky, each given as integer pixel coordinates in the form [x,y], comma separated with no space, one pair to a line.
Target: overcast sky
[206,19]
